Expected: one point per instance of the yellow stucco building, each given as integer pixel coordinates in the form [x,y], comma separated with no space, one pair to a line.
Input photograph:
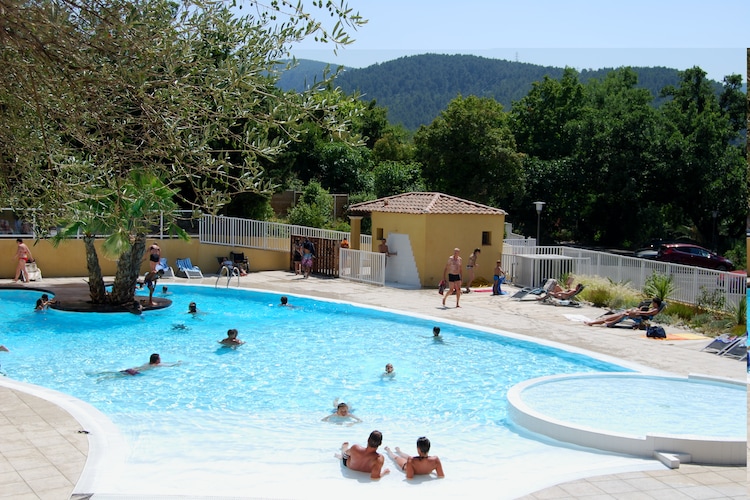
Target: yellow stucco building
[422,229]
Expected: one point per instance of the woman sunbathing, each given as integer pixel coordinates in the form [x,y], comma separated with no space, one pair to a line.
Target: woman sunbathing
[634,313]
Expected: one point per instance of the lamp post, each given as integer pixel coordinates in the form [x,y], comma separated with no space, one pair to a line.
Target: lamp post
[715,213]
[538,205]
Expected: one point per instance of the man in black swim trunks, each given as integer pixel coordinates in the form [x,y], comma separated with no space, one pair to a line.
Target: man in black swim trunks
[364,459]
[453,272]
[150,280]
[421,464]
[154,256]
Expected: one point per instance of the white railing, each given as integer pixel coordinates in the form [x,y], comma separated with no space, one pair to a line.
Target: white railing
[248,233]
[693,285]
[361,265]
[365,266]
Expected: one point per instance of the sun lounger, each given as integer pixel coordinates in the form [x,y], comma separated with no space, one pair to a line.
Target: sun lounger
[569,302]
[737,350]
[186,268]
[720,343]
[163,266]
[641,322]
[534,291]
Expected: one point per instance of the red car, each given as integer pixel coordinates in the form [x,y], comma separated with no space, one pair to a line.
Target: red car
[693,255]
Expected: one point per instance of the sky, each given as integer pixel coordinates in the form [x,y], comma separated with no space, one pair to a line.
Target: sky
[583,34]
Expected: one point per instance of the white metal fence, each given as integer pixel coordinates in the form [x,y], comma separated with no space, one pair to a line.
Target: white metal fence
[531,266]
[248,233]
[362,265]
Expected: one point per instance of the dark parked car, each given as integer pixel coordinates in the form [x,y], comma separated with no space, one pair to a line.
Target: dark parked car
[693,255]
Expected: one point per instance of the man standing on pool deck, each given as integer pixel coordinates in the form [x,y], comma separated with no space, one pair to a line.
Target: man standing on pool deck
[453,271]
[364,459]
[422,464]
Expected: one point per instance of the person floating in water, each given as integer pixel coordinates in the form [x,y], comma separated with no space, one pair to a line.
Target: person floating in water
[192,308]
[422,464]
[363,459]
[341,415]
[388,371]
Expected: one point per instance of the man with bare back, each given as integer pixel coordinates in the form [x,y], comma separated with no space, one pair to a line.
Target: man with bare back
[453,272]
[364,459]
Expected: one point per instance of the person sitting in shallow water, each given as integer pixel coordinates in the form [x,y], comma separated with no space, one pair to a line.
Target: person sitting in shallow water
[422,464]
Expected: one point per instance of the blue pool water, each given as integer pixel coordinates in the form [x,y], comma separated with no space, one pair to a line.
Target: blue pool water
[231,421]
[294,359]
[667,405]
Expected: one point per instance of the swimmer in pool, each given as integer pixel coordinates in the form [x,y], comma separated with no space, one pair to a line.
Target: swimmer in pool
[231,339]
[341,415]
[192,308]
[153,362]
[388,371]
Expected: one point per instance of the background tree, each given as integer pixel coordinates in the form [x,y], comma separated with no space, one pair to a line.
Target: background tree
[394,177]
[542,121]
[96,90]
[704,156]
[470,152]
[314,208]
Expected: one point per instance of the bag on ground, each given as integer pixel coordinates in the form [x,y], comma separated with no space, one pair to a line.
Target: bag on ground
[656,332]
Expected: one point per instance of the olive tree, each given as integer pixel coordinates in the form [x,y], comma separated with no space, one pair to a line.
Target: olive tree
[115,113]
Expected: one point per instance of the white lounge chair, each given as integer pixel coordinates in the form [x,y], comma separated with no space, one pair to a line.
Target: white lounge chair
[186,268]
[32,272]
[168,271]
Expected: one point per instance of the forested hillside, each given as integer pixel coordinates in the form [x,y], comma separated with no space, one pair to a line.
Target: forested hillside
[416,89]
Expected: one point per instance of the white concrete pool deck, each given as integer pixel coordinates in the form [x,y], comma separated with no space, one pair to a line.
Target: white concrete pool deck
[42,453]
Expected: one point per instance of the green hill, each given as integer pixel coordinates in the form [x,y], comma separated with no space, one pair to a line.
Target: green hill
[415,89]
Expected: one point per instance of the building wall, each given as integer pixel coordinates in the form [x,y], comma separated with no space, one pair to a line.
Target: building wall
[434,236]
[448,231]
[69,257]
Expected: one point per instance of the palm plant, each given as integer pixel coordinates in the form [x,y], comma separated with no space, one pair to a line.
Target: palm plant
[659,285]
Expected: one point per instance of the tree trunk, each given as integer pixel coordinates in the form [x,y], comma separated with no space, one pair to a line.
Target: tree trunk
[128,267]
[96,282]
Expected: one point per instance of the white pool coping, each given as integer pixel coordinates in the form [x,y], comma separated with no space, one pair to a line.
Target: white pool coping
[670,449]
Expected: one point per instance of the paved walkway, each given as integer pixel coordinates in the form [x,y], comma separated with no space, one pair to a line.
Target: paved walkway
[42,452]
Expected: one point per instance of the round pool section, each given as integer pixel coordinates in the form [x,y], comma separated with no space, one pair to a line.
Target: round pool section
[694,419]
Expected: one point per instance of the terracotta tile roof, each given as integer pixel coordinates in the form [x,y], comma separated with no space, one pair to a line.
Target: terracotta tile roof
[424,203]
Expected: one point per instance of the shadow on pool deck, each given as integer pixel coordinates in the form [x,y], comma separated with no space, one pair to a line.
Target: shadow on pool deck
[75,297]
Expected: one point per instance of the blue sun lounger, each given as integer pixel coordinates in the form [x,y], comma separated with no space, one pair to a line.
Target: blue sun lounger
[185,267]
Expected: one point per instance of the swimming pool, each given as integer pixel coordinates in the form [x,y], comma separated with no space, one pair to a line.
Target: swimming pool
[234,420]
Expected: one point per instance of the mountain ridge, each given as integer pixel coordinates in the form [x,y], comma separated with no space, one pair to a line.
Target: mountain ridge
[415,89]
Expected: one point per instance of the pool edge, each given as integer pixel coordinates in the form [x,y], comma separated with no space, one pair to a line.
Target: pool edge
[713,451]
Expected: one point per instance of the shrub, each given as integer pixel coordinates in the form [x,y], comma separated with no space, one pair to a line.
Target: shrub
[659,285]
[599,297]
[602,292]
[685,312]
